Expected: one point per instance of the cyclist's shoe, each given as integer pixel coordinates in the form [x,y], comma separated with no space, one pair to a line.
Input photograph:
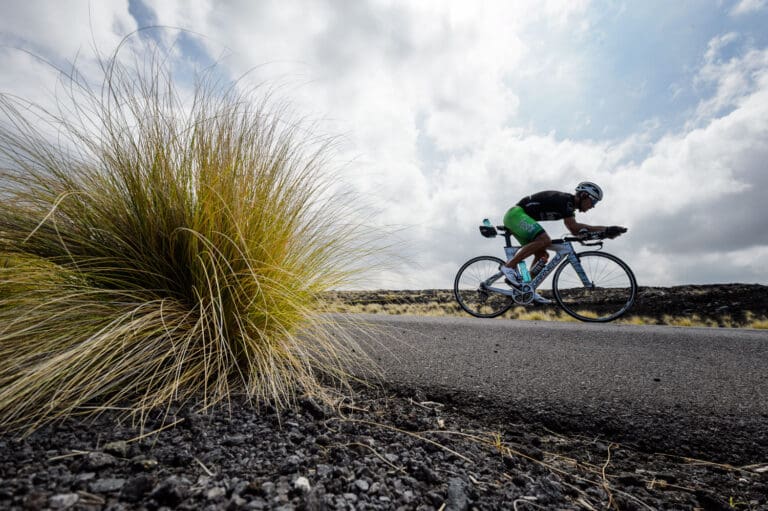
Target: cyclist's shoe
[512,276]
[541,300]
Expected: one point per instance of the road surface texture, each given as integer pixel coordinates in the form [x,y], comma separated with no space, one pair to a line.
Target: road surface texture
[698,392]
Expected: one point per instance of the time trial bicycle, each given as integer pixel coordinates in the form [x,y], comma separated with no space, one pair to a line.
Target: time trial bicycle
[592,286]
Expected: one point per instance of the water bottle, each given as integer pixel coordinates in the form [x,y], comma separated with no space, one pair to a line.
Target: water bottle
[523,269]
[487,222]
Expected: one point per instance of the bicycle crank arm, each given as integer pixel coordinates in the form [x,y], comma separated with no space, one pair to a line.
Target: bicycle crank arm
[522,296]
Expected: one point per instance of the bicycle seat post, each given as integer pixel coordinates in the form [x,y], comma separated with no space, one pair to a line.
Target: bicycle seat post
[507,236]
[509,249]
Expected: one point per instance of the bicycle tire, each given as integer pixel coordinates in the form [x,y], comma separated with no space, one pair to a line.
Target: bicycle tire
[613,291]
[468,290]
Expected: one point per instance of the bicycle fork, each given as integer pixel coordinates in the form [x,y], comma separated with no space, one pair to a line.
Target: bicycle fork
[576,263]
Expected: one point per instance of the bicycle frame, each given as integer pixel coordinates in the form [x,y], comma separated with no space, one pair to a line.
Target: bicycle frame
[563,250]
[589,285]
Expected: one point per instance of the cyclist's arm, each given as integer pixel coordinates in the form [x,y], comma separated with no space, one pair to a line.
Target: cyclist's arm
[575,226]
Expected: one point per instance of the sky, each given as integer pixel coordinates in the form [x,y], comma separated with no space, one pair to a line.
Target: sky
[449,112]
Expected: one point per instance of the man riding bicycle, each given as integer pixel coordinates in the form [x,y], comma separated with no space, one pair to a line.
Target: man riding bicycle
[522,222]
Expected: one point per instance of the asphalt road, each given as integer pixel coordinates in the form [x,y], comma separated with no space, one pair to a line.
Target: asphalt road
[584,376]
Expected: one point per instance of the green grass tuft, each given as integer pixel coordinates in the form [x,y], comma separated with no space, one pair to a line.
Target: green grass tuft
[164,247]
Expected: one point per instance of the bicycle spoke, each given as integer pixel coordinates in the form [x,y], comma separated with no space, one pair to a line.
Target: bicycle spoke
[470,290]
[611,292]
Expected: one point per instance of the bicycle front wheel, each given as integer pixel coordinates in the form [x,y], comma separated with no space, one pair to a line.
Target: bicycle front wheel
[608,292]
[470,291]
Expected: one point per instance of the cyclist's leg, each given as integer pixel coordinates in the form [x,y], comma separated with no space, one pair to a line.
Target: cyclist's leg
[540,255]
[531,235]
[542,240]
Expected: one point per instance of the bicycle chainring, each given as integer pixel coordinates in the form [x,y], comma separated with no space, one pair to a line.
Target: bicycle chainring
[524,296]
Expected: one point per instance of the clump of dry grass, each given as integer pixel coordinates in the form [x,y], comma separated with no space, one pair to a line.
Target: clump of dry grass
[759,323]
[164,248]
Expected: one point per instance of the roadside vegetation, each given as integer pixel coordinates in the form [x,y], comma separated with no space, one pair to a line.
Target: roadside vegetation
[442,303]
[163,245]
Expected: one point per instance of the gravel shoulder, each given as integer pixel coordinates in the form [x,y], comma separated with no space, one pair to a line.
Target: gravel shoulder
[384,448]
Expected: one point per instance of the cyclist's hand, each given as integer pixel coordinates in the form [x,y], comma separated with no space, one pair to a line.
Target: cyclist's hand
[614,230]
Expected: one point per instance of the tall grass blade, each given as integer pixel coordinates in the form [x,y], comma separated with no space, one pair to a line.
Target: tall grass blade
[165,247]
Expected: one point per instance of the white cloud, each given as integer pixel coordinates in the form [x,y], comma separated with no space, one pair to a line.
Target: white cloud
[66,28]
[38,38]
[428,96]
[698,193]
[748,7]
[734,79]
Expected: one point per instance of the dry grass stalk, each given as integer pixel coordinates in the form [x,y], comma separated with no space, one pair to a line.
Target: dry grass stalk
[164,248]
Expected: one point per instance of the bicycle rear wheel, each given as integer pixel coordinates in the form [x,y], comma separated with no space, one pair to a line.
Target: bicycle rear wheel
[470,291]
[611,292]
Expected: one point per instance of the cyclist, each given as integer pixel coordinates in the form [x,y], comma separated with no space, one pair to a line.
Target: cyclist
[522,221]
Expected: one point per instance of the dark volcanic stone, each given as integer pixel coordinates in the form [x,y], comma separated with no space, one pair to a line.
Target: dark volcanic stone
[136,488]
[171,492]
[458,499]
[107,485]
[98,461]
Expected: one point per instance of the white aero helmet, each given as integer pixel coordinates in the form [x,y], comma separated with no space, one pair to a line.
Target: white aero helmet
[590,189]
